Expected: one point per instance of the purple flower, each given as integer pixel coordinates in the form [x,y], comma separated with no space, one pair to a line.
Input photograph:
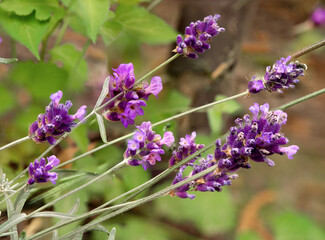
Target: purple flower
[39,172]
[318,16]
[281,75]
[197,36]
[129,105]
[146,146]
[254,138]
[187,147]
[55,121]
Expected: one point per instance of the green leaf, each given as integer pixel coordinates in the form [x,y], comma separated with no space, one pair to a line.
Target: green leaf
[73,62]
[132,2]
[112,234]
[8,100]
[145,26]
[43,8]
[292,225]
[8,60]
[41,79]
[93,14]
[110,31]
[24,29]
[21,199]
[215,113]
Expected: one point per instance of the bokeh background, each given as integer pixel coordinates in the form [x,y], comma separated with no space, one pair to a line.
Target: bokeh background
[286,201]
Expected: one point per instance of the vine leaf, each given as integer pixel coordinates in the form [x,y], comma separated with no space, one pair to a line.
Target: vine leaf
[24,29]
[93,14]
[43,8]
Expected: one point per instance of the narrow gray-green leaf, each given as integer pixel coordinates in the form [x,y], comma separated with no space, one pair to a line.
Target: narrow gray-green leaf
[8,60]
[14,220]
[54,215]
[103,93]
[55,235]
[112,234]
[21,199]
[102,129]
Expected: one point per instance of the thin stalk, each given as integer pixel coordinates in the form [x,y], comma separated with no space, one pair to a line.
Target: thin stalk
[149,183]
[126,206]
[308,49]
[302,99]
[46,38]
[157,68]
[109,171]
[156,124]
[140,202]
[14,143]
[61,33]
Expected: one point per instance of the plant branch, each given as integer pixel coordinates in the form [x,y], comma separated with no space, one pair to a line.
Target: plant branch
[14,143]
[308,49]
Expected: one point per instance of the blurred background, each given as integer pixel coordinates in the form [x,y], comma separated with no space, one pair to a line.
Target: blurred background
[286,201]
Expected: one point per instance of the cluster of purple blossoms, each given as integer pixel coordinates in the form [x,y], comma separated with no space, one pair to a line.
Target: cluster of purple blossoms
[146,146]
[55,121]
[197,36]
[254,139]
[127,106]
[39,172]
[211,182]
[318,16]
[187,147]
[281,75]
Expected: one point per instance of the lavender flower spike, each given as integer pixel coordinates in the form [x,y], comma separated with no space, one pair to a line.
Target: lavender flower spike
[255,138]
[281,75]
[55,121]
[39,171]
[197,36]
[129,105]
[146,146]
[318,16]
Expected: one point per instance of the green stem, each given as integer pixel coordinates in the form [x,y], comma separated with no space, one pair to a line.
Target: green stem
[9,196]
[109,171]
[14,143]
[302,99]
[308,49]
[46,38]
[140,202]
[155,124]
[157,68]
[149,183]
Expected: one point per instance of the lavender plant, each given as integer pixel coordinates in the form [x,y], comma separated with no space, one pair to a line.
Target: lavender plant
[253,138]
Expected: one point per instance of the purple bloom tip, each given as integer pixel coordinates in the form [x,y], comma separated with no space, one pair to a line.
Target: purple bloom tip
[39,171]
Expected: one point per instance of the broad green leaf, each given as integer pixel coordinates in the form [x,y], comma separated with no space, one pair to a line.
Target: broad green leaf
[43,8]
[73,62]
[8,100]
[40,79]
[204,211]
[215,113]
[24,29]
[145,26]
[110,31]
[132,2]
[8,60]
[93,14]
[292,225]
